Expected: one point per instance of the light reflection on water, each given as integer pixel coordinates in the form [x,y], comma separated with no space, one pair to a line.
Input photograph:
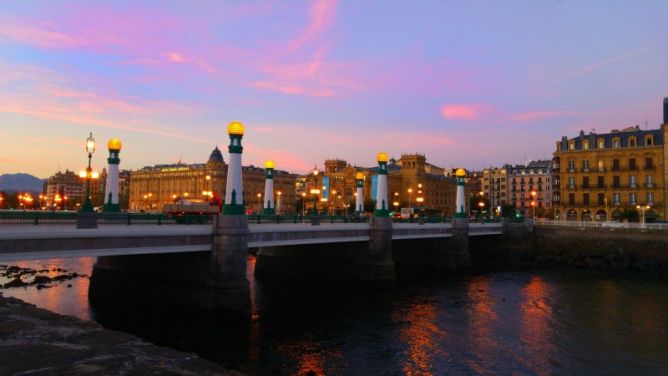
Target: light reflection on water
[535,322]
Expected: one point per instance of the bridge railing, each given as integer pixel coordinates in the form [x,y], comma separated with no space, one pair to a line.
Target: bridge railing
[611,225]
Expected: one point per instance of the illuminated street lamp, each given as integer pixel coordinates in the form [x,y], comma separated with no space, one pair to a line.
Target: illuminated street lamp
[642,213]
[1,200]
[88,174]
[315,192]
[410,190]
[303,204]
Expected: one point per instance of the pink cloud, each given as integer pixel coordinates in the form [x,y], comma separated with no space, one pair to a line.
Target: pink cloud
[463,111]
[322,14]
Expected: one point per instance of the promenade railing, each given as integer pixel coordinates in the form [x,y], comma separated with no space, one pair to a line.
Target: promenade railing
[611,225]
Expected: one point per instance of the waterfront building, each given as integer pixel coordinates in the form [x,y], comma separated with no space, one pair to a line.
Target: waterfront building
[154,186]
[411,183]
[494,185]
[530,187]
[63,190]
[614,175]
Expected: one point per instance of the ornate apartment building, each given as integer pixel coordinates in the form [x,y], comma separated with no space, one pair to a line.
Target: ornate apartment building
[154,186]
[604,176]
[412,183]
[530,187]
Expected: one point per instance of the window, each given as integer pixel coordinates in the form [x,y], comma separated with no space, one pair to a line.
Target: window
[601,199]
[571,199]
[615,143]
[649,179]
[633,198]
[632,142]
[585,145]
[650,198]
[649,163]
[600,182]
[632,164]
[571,146]
[615,165]
[616,198]
[585,199]
[632,181]
[601,166]
[615,182]
[585,165]
[601,143]
[649,141]
[585,182]
[571,166]
[571,182]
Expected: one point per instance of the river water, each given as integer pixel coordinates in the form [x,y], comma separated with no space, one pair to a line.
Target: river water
[565,321]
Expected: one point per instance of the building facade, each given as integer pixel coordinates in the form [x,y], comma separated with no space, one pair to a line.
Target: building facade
[530,188]
[495,185]
[63,191]
[412,183]
[617,175]
[154,186]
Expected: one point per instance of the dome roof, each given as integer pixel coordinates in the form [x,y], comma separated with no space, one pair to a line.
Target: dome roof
[235,128]
[216,156]
[114,144]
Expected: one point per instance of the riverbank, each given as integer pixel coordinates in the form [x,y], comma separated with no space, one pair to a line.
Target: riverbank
[37,341]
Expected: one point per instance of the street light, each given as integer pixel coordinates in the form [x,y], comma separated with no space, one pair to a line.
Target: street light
[315,192]
[279,203]
[642,214]
[410,190]
[259,202]
[88,174]
[303,204]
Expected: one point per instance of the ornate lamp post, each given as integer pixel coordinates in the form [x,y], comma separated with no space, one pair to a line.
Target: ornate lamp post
[90,149]
[86,217]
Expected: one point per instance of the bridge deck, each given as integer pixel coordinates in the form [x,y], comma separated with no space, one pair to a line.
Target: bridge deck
[41,242]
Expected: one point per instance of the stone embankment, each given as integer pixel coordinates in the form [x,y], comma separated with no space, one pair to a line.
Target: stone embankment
[39,342]
[604,249]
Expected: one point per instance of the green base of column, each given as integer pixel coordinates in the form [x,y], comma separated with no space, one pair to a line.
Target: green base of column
[461,215]
[381,213]
[87,206]
[111,208]
[233,209]
[268,211]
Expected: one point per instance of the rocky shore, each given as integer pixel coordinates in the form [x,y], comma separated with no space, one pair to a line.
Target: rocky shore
[39,342]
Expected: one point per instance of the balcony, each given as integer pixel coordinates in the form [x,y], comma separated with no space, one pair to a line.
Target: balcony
[585,186]
[649,168]
[571,170]
[633,185]
[650,185]
[601,169]
[601,186]
[584,169]
[572,187]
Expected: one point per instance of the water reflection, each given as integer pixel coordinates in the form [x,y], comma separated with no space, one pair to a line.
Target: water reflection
[536,326]
[420,336]
[556,322]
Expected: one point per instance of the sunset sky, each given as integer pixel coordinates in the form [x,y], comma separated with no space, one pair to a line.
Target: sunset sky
[468,83]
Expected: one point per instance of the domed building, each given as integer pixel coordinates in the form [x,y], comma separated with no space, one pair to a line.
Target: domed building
[154,186]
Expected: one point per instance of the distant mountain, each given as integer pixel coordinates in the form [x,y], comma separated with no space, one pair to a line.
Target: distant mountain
[21,182]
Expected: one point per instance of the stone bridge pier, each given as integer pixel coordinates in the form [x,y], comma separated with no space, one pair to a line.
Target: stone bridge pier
[203,283]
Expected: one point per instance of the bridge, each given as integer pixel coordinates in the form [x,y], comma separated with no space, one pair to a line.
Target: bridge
[61,241]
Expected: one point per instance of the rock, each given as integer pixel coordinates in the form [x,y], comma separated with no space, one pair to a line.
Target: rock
[41,279]
[16,282]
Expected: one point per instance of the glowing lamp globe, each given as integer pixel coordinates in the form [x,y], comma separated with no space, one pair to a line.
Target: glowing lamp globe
[460,173]
[269,164]
[359,176]
[114,144]
[235,129]
[382,157]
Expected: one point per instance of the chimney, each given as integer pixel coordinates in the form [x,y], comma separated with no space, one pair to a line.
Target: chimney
[665,110]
